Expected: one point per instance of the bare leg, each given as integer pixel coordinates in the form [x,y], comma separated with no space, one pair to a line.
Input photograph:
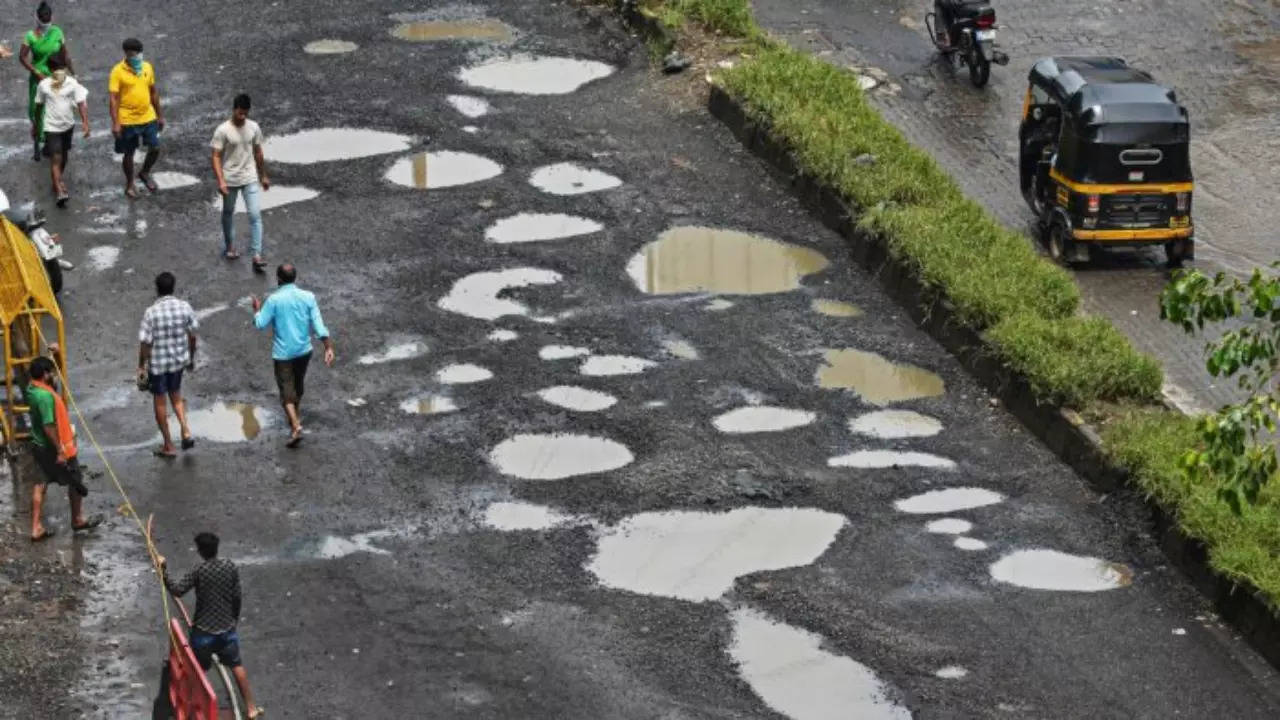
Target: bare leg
[242,680]
[162,419]
[295,422]
[37,510]
[149,161]
[127,165]
[55,172]
[180,409]
[77,508]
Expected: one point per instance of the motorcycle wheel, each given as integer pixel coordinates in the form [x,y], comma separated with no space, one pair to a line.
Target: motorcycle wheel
[55,275]
[979,70]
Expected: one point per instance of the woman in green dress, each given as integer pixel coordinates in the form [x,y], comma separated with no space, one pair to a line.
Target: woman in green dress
[38,45]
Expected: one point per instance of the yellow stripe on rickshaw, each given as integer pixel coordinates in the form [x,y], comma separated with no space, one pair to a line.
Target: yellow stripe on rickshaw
[1135,234]
[1112,189]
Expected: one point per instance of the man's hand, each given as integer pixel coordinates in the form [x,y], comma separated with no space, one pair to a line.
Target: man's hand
[160,123]
[116,129]
[222,187]
[86,132]
[328,357]
[257,304]
[265,182]
[160,560]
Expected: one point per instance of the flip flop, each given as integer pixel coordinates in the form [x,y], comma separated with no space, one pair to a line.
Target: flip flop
[48,533]
[188,443]
[231,255]
[130,193]
[62,200]
[257,713]
[159,452]
[89,524]
[259,266]
[146,180]
[294,441]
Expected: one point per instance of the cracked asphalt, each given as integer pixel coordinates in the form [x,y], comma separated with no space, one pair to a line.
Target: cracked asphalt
[374,587]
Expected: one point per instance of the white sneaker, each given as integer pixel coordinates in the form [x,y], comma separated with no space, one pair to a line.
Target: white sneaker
[66,264]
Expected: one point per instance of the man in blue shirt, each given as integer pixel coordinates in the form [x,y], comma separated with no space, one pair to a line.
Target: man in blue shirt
[293,316]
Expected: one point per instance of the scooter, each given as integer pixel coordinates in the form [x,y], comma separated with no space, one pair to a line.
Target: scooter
[30,219]
[969,37]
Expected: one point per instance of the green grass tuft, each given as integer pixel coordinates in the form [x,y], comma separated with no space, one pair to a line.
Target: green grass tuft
[727,17]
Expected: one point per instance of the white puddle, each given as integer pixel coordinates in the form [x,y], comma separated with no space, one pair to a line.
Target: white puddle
[681,349]
[718,305]
[103,257]
[225,422]
[511,516]
[571,179]
[949,526]
[167,180]
[1053,570]
[969,544]
[562,352]
[329,47]
[872,459]
[442,169]
[577,398]
[951,672]
[697,555]
[428,405]
[787,667]
[469,105]
[534,75]
[463,374]
[476,295]
[400,351]
[558,456]
[333,547]
[762,419]
[503,335]
[603,365]
[470,129]
[277,196]
[536,227]
[949,500]
[892,424]
[328,144]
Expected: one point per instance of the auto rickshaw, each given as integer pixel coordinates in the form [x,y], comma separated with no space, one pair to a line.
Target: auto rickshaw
[1104,159]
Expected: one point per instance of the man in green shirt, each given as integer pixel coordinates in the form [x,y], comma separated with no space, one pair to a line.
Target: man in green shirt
[53,447]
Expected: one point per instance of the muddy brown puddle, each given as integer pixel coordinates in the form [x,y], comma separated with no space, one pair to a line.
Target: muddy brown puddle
[877,380]
[703,259]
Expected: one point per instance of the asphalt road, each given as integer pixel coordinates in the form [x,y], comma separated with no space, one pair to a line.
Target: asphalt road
[1221,58]
[643,562]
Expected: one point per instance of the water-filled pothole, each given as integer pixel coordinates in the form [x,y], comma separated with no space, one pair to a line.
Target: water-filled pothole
[469,105]
[329,47]
[576,398]
[558,456]
[755,419]
[441,169]
[428,405]
[702,259]
[476,295]
[835,308]
[328,144]
[562,352]
[877,380]
[874,459]
[277,196]
[535,227]
[227,422]
[513,516]
[571,179]
[1053,570]
[103,257]
[894,424]
[169,180]
[534,75]
[605,365]
[463,374]
[399,351]
[948,500]
[949,526]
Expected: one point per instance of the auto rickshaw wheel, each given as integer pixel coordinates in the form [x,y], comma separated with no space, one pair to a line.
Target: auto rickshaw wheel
[1059,245]
[1175,252]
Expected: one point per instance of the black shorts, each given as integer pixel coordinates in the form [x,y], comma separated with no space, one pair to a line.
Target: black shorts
[52,471]
[291,375]
[58,143]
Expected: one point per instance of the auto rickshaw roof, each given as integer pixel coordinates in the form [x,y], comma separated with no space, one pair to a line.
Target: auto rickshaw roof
[1107,90]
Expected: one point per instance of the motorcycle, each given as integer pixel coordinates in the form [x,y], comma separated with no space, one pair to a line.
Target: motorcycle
[966,30]
[30,219]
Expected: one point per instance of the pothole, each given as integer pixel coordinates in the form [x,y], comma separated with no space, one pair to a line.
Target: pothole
[875,379]
[949,526]
[463,374]
[536,227]
[503,336]
[102,257]
[227,422]
[562,352]
[476,295]
[571,179]
[428,405]
[445,168]
[329,47]
[936,502]
[835,308]
[277,196]
[168,180]
[1053,570]
[875,459]
[702,259]
[604,365]
[576,398]
[516,516]
[328,144]
[534,75]
[399,351]
[894,424]
[558,456]
[469,105]
[757,419]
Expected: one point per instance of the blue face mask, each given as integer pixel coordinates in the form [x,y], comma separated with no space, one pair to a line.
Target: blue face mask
[135,62]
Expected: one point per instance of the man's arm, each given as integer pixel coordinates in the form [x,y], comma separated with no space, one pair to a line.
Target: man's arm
[317,325]
[180,588]
[216,159]
[114,104]
[192,341]
[144,344]
[155,103]
[235,598]
[24,57]
[261,162]
[84,116]
[264,313]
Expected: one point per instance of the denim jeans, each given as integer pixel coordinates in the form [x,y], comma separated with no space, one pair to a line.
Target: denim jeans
[252,194]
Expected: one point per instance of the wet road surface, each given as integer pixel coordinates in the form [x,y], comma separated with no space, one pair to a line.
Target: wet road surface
[1220,56]
[548,477]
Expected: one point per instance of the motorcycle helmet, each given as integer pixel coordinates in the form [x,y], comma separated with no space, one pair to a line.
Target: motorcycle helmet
[28,216]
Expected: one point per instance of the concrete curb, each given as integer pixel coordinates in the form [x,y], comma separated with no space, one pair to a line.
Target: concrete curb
[1061,429]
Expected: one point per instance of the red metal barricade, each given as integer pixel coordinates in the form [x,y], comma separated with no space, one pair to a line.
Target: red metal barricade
[190,693]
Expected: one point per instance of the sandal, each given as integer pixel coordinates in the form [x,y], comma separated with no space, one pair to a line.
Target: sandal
[188,443]
[256,713]
[130,193]
[48,533]
[259,265]
[159,452]
[89,524]
[146,180]
[295,439]
[231,255]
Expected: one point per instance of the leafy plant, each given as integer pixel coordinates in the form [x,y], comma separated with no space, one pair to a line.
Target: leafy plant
[1238,452]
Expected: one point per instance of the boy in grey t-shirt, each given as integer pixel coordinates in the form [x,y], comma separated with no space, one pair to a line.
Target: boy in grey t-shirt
[240,168]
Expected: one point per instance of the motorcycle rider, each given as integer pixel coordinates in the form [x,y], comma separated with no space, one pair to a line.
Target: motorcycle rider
[944,10]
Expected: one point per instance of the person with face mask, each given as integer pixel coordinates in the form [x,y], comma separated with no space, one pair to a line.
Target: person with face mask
[40,45]
[59,97]
[136,116]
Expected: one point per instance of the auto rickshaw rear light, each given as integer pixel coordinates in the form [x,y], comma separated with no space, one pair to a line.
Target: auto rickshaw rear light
[1093,203]
[1183,199]
[986,20]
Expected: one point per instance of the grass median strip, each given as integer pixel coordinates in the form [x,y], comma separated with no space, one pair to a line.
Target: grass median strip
[1026,307]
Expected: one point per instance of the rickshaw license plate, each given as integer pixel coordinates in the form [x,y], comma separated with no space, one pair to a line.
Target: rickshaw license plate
[1136,176]
[985,35]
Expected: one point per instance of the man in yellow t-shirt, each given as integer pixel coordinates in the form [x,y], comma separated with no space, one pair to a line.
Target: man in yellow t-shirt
[136,116]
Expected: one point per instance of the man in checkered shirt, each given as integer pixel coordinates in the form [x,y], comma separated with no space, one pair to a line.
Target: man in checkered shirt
[167,346]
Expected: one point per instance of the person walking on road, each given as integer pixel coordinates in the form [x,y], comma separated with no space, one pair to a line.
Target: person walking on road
[293,316]
[136,116]
[213,627]
[60,96]
[53,447]
[39,46]
[240,169]
[167,347]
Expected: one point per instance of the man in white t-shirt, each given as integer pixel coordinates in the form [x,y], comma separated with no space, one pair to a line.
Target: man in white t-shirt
[240,169]
[61,96]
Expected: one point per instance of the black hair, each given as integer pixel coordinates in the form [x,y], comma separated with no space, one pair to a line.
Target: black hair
[40,367]
[241,102]
[207,545]
[165,282]
[44,10]
[55,62]
[132,45]
[286,273]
